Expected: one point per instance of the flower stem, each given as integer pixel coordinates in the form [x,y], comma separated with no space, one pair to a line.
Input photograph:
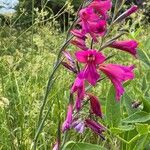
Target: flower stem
[64,140]
[49,87]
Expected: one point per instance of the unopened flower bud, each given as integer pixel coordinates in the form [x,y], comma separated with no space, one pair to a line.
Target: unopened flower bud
[127,13]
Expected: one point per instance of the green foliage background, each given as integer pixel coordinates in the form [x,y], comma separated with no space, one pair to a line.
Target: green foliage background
[27,56]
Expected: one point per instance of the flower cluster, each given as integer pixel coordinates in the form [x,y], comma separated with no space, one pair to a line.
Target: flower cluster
[90,63]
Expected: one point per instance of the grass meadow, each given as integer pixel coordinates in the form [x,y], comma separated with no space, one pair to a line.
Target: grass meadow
[27,57]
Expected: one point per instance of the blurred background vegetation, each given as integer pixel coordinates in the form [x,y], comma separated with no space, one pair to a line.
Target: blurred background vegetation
[31,34]
[27,12]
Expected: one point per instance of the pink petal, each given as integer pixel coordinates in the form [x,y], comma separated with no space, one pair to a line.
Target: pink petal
[91,74]
[127,13]
[129,46]
[78,33]
[81,56]
[56,146]
[100,58]
[78,84]
[95,105]
[118,88]
[101,7]
[118,74]
[95,126]
[67,123]
[79,43]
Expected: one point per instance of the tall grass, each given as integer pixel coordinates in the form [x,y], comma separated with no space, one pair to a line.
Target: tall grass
[26,60]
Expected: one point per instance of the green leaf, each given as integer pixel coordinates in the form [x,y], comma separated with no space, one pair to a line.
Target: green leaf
[128,104]
[137,117]
[127,83]
[144,84]
[121,129]
[113,112]
[147,44]
[142,128]
[137,32]
[118,5]
[144,57]
[140,144]
[130,136]
[71,145]
[146,104]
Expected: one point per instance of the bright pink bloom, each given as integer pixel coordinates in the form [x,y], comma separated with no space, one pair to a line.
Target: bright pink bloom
[118,74]
[97,29]
[101,7]
[78,87]
[67,123]
[91,58]
[95,105]
[91,23]
[96,127]
[88,14]
[129,46]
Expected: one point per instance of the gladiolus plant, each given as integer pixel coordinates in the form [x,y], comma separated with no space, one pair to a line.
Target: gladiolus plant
[89,64]
[92,63]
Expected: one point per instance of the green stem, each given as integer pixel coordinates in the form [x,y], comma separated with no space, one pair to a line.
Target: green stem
[33,146]
[49,84]
[48,89]
[110,41]
[125,141]
[92,42]
[64,140]
[134,138]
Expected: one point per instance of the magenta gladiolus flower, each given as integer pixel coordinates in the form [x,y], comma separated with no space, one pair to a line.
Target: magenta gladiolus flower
[78,87]
[101,7]
[95,105]
[129,46]
[67,123]
[118,74]
[88,14]
[97,29]
[96,127]
[91,23]
[91,58]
